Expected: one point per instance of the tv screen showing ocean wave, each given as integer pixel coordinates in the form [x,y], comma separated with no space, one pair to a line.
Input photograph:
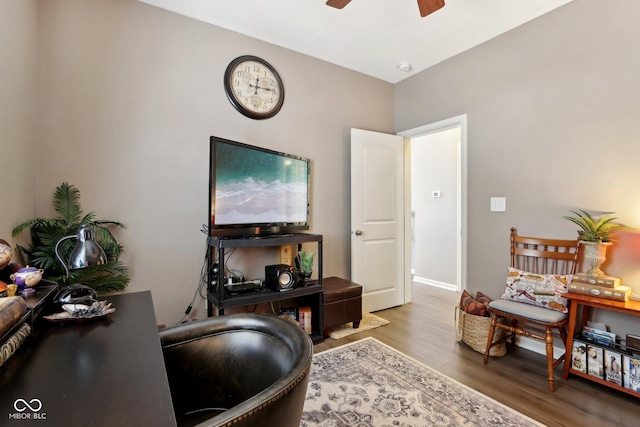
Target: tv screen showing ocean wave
[259,187]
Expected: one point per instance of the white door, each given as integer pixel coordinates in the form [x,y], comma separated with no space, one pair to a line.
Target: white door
[377,218]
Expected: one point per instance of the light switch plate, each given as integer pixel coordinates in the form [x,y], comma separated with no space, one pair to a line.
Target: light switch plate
[498,204]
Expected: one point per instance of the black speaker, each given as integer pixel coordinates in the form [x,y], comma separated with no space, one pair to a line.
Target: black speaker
[213,277]
[279,277]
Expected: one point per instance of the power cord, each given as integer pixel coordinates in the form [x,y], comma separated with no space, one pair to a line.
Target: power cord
[233,273]
[202,284]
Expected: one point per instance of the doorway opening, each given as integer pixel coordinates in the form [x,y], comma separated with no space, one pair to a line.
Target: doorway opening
[437,209]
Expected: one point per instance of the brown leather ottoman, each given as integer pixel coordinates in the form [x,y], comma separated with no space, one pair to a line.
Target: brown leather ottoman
[342,303]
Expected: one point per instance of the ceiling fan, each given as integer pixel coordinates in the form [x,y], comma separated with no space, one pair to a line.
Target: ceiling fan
[426,6]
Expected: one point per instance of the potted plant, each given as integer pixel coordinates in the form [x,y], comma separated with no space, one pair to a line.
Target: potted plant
[596,236]
[45,233]
[306,263]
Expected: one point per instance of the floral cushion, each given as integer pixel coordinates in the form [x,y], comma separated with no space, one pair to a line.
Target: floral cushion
[542,290]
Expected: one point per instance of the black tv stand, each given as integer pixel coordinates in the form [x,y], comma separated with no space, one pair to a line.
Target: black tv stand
[256,236]
[309,295]
[269,236]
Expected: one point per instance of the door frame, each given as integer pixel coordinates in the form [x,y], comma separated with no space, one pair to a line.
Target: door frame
[461,261]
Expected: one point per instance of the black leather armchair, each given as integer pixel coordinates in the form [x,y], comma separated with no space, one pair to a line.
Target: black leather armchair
[240,370]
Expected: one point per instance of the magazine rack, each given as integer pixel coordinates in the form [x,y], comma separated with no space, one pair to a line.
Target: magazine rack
[582,304]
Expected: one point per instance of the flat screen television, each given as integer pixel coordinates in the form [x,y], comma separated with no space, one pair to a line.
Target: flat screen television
[255,191]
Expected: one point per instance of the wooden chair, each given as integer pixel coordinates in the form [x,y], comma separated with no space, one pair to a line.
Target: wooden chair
[540,256]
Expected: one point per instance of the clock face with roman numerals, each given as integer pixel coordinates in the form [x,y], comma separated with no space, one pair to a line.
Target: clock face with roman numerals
[254,87]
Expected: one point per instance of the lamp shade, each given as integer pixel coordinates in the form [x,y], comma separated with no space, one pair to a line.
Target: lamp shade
[86,252]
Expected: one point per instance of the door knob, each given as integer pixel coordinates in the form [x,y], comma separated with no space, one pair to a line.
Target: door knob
[358,232]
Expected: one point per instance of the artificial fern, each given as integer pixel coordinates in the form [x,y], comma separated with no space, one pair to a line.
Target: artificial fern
[46,232]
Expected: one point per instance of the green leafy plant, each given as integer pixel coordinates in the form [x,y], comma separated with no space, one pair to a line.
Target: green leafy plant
[594,229]
[112,276]
[306,261]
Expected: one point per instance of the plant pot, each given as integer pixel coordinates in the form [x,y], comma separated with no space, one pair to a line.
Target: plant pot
[595,253]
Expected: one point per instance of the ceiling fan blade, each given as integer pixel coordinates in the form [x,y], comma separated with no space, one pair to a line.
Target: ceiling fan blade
[428,6]
[338,4]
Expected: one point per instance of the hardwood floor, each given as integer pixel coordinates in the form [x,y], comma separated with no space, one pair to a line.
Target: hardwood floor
[424,329]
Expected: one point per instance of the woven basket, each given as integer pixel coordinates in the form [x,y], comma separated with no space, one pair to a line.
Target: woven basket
[474,331]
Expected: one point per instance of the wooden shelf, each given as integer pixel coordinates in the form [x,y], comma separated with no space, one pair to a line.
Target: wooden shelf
[627,307]
[603,382]
[262,295]
[581,305]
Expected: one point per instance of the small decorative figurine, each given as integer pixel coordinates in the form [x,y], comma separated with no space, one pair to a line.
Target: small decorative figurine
[7,268]
[5,253]
[26,278]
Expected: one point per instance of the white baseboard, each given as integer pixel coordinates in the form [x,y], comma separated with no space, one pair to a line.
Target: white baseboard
[537,346]
[435,283]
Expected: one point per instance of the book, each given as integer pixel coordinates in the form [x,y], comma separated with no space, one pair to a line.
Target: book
[14,342]
[613,366]
[633,343]
[631,372]
[285,255]
[597,325]
[290,312]
[595,365]
[11,310]
[600,336]
[604,281]
[304,314]
[595,339]
[621,293]
[579,356]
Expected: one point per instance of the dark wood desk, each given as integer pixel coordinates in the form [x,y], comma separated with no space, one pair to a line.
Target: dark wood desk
[108,372]
[582,305]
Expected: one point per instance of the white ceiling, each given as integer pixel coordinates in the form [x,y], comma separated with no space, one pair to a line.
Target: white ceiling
[369,36]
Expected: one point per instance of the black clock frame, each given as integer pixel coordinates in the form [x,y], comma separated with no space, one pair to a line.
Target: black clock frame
[240,106]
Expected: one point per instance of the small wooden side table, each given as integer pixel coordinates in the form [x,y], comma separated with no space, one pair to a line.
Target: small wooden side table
[583,304]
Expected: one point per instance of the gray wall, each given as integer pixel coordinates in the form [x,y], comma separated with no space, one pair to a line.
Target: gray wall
[129,94]
[18,112]
[128,97]
[553,110]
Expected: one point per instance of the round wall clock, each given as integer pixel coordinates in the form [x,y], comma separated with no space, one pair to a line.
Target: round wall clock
[254,87]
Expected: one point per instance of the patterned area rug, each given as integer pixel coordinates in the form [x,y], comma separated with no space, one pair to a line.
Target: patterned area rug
[367,383]
[369,321]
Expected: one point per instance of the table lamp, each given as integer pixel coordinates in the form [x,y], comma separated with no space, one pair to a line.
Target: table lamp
[86,253]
